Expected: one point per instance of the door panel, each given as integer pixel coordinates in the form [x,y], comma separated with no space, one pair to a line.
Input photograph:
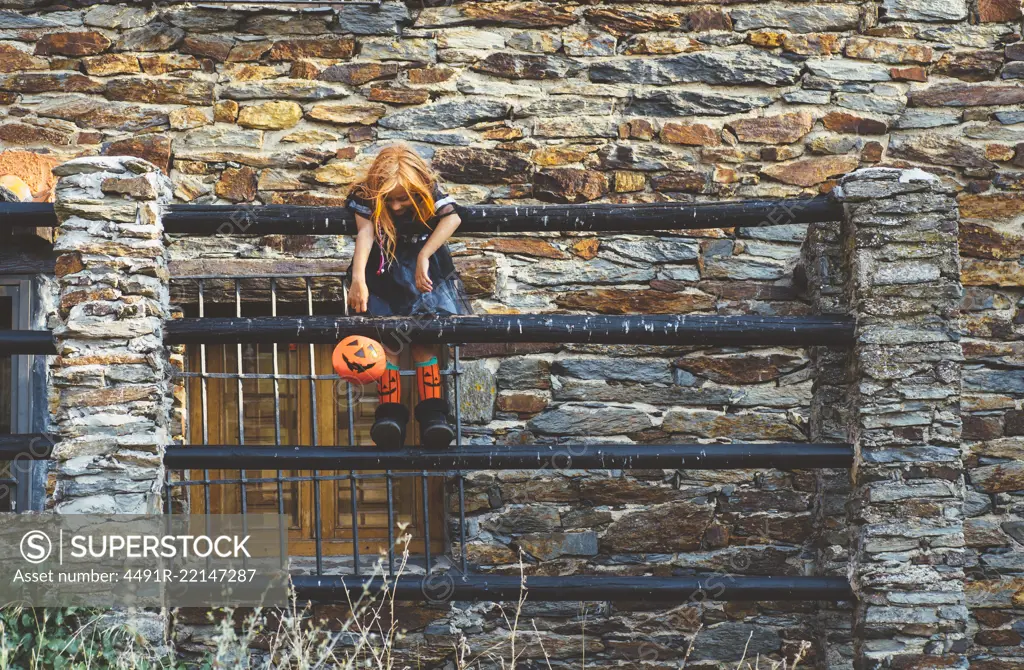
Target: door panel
[297,402]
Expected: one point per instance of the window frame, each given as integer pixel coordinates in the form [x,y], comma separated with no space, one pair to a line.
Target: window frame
[21,290]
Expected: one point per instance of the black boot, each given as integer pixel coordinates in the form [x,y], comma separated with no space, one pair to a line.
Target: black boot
[432,416]
[389,422]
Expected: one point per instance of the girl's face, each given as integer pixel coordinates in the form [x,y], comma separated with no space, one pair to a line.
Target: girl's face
[398,200]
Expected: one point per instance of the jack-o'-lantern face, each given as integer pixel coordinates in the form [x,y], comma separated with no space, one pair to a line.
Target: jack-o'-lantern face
[360,359]
[428,379]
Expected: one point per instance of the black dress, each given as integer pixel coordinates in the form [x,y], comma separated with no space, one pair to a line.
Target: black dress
[392,286]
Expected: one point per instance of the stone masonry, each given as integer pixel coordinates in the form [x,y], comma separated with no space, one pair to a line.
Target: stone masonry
[903,403]
[110,389]
[533,102]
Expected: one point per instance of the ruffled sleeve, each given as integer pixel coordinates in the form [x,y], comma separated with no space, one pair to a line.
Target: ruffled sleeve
[444,203]
[359,205]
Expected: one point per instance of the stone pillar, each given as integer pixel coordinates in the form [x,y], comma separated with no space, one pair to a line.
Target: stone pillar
[899,242]
[109,399]
[822,279]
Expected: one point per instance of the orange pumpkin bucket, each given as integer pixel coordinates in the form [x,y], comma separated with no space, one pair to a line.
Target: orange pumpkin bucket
[359,359]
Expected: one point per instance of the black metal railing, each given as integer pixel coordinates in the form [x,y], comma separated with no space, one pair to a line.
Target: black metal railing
[200,220]
[231,323]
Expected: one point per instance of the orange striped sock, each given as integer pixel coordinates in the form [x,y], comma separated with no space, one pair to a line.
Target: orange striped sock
[389,386]
[428,379]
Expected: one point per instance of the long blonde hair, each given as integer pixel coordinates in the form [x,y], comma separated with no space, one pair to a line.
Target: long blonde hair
[396,165]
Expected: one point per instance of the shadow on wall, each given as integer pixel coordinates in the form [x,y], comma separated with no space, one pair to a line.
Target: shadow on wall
[26,176]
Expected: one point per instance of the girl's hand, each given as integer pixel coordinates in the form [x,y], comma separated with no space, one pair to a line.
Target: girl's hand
[358,295]
[423,282]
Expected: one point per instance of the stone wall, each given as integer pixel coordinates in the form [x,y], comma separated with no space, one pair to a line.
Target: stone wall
[548,103]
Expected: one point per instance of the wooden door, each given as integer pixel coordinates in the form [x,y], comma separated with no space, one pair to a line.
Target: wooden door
[310,411]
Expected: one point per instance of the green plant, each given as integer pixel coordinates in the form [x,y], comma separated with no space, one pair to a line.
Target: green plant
[71,638]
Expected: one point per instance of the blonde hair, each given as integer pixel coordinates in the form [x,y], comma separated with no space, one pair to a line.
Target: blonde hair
[396,165]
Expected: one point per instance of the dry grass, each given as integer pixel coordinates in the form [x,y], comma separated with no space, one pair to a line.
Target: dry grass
[369,638]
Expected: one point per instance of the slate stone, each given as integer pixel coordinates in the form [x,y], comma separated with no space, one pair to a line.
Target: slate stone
[924,10]
[82,43]
[584,420]
[615,369]
[742,368]
[653,394]
[529,518]
[639,157]
[383,20]
[447,114]
[12,20]
[811,171]
[152,37]
[569,185]
[357,74]
[296,49]
[848,70]
[101,114]
[527,66]
[524,373]
[597,271]
[938,149]
[625,301]
[117,17]
[929,118]
[874,104]
[674,526]
[998,11]
[160,91]
[805,97]
[154,148]
[965,95]
[481,166]
[623,20]
[994,381]
[798,18]
[662,250]
[779,129]
[479,392]
[548,546]
[576,126]
[691,103]
[744,426]
[741,68]
[977,65]
[507,14]
[288,89]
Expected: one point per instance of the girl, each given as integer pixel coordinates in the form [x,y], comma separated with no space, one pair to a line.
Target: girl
[402,267]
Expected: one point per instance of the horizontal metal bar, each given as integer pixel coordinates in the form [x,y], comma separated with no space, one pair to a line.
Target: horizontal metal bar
[34,446]
[576,588]
[320,477]
[486,457]
[599,217]
[27,215]
[659,329]
[24,342]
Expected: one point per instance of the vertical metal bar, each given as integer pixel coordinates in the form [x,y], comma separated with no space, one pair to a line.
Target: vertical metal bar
[241,416]
[388,475]
[205,402]
[317,512]
[426,520]
[353,482]
[277,397]
[167,491]
[241,397]
[389,480]
[456,371]
[354,492]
